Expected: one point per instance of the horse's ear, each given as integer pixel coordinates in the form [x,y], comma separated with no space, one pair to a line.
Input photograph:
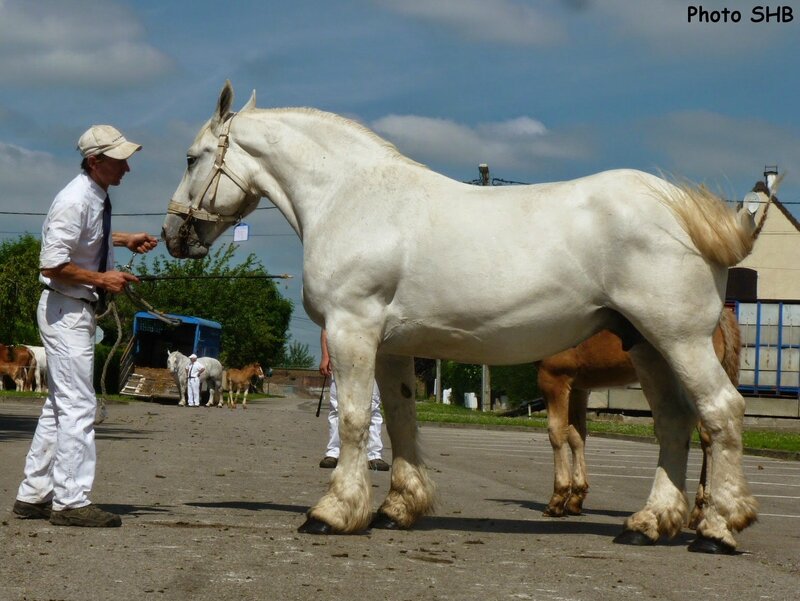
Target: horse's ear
[223,104]
[251,104]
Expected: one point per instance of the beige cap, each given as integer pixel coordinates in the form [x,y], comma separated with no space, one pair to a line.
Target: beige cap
[192,356]
[106,140]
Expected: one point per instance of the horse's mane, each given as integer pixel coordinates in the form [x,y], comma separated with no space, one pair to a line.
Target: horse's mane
[346,123]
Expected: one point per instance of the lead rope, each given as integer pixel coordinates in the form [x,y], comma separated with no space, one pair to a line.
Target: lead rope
[101,413]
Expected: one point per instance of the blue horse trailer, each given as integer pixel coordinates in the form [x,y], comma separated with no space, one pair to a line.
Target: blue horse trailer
[770,360]
[143,368]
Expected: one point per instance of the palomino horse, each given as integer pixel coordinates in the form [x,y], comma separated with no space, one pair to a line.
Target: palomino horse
[394,255]
[565,380]
[211,377]
[237,381]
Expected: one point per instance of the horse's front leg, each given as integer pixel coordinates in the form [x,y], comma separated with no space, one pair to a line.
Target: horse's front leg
[412,492]
[347,506]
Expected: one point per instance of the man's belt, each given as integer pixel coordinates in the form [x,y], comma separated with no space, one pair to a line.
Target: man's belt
[92,304]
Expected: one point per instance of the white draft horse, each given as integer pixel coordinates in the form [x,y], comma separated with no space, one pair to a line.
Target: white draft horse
[237,381]
[566,379]
[211,377]
[395,263]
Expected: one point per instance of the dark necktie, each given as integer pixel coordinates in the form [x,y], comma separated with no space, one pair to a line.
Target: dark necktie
[101,293]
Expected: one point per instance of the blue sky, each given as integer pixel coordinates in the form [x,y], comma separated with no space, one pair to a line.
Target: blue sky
[540,90]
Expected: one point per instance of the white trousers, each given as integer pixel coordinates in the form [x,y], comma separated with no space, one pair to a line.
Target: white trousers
[60,465]
[193,391]
[375,444]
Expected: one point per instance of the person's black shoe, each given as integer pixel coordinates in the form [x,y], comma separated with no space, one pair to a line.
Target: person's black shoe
[378,465]
[329,462]
[32,511]
[89,516]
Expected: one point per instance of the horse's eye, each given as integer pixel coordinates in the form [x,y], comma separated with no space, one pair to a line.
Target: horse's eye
[190,160]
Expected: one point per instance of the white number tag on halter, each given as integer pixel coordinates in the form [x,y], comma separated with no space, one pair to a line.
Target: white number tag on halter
[241,232]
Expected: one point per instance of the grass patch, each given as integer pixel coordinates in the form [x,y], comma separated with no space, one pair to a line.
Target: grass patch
[751,438]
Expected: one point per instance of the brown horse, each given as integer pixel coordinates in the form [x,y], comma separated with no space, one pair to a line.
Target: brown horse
[19,364]
[238,381]
[565,380]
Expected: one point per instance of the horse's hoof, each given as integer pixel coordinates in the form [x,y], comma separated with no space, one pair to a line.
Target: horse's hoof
[553,512]
[315,526]
[633,537]
[381,521]
[704,544]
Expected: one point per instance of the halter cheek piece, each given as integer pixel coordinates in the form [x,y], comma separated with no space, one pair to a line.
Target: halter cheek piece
[193,211]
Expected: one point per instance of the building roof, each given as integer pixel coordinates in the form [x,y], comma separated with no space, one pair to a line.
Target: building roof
[184,318]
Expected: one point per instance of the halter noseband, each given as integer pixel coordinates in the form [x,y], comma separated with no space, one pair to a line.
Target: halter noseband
[194,211]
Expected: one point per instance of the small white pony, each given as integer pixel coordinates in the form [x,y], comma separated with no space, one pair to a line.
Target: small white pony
[396,260]
[211,377]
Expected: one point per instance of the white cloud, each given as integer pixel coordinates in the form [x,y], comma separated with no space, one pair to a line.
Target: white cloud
[505,21]
[85,42]
[519,143]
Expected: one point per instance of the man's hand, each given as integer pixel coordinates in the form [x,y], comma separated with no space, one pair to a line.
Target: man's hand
[325,366]
[114,281]
[140,242]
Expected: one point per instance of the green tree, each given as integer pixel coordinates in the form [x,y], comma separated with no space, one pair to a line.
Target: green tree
[298,355]
[253,314]
[462,378]
[517,382]
[19,290]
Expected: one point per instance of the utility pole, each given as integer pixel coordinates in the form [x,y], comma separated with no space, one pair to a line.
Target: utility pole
[486,385]
[439,381]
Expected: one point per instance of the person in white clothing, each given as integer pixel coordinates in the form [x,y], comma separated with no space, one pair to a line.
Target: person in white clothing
[375,444]
[76,266]
[193,372]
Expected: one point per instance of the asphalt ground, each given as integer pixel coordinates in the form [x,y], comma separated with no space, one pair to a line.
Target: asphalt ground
[211,500]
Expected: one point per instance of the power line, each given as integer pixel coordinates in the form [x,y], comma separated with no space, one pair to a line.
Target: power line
[160,214]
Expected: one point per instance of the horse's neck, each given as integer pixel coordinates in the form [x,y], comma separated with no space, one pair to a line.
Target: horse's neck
[308,157]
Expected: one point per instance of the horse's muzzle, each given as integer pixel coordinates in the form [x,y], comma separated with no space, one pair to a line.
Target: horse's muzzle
[182,239]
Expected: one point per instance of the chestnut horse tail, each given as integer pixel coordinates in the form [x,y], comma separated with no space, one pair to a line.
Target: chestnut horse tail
[732,344]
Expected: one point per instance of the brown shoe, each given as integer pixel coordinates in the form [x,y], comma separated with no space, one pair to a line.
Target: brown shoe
[379,465]
[32,511]
[89,516]
[329,462]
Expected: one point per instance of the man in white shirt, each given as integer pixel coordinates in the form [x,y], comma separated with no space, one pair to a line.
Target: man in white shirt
[193,372]
[76,268]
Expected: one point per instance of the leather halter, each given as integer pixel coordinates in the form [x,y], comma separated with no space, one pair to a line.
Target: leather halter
[194,211]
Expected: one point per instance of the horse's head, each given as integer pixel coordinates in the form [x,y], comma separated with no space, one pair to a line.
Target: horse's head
[172,360]
[216,190]
[259,371]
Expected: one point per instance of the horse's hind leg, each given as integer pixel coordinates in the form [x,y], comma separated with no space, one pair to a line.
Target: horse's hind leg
[411,494]
[729,505]
[556,390]
[578,400]
[666,509]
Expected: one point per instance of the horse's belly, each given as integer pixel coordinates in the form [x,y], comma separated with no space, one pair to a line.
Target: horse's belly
[490,343]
